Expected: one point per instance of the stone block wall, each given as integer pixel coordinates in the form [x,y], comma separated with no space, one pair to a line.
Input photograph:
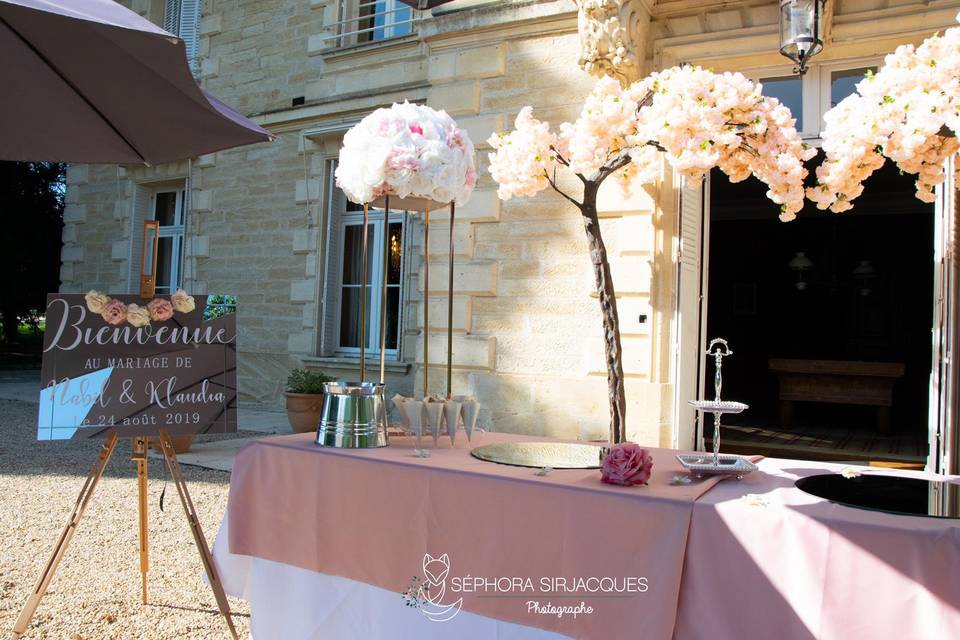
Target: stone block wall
[527,331]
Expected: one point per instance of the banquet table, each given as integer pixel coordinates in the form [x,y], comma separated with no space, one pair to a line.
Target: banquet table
[322,542]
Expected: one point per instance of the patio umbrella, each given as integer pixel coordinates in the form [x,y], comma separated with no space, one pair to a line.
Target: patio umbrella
[91,81]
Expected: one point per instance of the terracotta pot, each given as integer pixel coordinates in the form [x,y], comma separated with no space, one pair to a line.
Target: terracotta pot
[303,410]
[181,444]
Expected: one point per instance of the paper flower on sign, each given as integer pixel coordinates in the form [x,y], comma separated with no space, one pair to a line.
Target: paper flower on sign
[182,301]
[408,150]
[114,312]
[138,316]
[96,301]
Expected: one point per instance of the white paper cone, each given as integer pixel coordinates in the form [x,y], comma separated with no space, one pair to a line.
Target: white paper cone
[470,410]
[434,411]
[398,401]
[413,411]
[451,413]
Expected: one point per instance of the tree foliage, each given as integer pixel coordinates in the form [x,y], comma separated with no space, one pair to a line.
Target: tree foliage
[31,209]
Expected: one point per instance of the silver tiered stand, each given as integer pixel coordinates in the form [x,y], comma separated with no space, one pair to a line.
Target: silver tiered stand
[727,464]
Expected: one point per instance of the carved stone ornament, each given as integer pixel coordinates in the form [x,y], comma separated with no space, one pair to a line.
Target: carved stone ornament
[611,37]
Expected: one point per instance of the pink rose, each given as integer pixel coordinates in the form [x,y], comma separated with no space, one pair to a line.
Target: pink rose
[627,464]
[160,309]
[115,312]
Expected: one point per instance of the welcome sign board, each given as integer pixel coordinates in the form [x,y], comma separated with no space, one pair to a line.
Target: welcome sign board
[97,378]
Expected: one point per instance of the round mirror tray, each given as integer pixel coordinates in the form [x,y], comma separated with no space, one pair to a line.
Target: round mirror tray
[556,455]
[890,494]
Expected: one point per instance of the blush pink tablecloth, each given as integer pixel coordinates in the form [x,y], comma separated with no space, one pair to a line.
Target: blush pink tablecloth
[371,515]
[790,565]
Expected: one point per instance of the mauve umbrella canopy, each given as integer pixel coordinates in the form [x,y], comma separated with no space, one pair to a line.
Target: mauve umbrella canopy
[90,81]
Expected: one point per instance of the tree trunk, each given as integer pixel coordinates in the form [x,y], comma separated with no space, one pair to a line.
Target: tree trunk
[608,307]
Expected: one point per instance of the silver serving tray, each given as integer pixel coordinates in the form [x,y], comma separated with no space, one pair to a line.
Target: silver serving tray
[718,406]
[555,455]
[701,464]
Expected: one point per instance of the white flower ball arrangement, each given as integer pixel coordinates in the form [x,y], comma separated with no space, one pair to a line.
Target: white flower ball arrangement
[408,150]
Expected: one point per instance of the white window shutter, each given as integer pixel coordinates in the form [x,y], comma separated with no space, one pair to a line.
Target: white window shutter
[334,253]
[189,29]
[689,327]
[944,456]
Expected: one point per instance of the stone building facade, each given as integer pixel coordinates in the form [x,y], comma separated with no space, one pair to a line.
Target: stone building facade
[265,222]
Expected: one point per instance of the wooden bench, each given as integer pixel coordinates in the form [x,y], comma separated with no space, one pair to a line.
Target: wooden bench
[837,381]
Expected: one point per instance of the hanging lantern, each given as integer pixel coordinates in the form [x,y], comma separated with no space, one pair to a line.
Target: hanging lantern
[801,31]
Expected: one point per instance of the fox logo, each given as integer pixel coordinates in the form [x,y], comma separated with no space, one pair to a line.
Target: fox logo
[433,590]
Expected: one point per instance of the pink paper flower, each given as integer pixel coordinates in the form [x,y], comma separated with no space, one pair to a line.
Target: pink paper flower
[115,312]
[627,464]
[160,309]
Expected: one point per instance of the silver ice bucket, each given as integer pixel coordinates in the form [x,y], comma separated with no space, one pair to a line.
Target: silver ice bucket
[353,416]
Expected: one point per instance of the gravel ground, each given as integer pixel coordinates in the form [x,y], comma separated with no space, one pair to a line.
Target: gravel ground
[96,591]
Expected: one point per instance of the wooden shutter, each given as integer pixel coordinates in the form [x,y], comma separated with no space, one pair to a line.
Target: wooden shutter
[142,210]
[944,455]
[689,323]
[337,205]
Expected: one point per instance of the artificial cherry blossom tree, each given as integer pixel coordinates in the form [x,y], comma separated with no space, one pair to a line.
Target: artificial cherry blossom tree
[909,112]
[694,118]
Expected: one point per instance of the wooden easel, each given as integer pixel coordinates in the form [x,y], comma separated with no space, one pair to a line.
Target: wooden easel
[138,455]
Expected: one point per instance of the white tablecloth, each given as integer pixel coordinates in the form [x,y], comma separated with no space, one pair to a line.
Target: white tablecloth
[291,603]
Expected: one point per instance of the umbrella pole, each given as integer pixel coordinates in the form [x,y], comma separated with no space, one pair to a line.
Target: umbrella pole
[383,291]
[426,300]
[450,306]
[363,294]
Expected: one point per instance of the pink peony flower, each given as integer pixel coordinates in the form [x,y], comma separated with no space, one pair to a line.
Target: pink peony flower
[160,309]
[115,312]
[627,464]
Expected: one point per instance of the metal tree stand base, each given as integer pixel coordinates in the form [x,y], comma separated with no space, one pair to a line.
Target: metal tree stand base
[726,464]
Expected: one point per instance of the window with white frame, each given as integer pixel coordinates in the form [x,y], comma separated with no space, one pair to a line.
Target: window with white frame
[182,18]
[167,207]
[363,21]
[343,283]
[351,242]
[810,96]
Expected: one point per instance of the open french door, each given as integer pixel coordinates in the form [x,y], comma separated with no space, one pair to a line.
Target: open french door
[944,455]
[690,323]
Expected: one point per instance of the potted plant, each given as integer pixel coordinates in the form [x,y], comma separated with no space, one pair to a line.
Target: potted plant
[304,395]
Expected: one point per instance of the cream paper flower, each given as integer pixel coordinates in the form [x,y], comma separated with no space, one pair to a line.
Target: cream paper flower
[96,300]
[182,302]
[138,316]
